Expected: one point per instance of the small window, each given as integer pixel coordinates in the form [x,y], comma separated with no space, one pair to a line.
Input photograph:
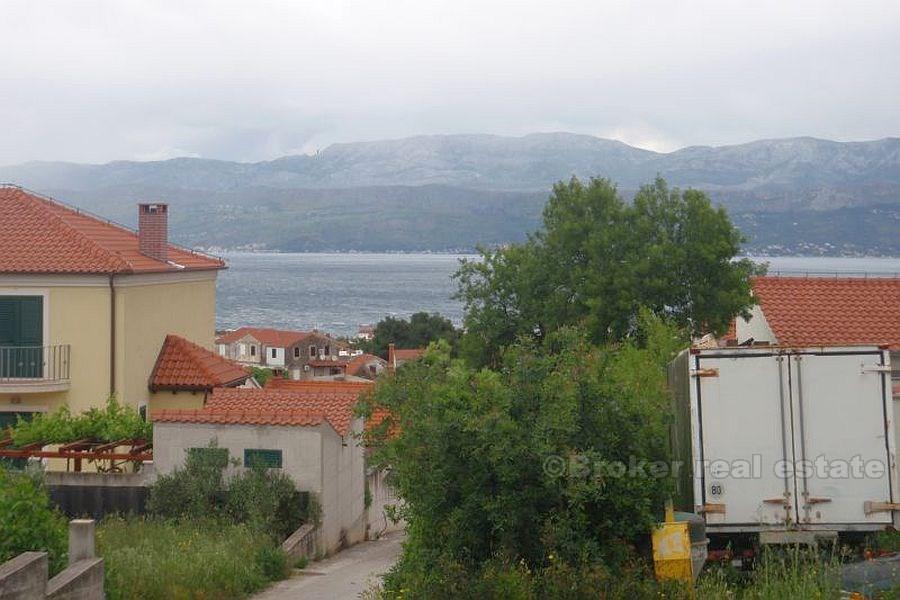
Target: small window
[296,351]
[216,456]
[274,353]
[269,459]
[312,351]
[252,350]
[328,350]
[143,412]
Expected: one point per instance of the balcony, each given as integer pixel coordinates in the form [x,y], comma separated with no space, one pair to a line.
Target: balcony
[34,369]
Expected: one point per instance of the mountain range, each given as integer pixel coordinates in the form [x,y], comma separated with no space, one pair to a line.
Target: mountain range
[451,192]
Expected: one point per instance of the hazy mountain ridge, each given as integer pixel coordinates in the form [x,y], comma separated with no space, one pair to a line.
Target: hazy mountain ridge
[453,192]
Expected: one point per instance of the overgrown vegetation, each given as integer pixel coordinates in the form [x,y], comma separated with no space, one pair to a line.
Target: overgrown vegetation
[522,465]
[261,375]
[108,424]
[266,500]
[28,522]
[156,559]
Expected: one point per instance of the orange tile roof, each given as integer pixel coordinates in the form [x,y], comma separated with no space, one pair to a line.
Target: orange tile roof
[315,385]
[251,416]
[822,311]
[408,354]
[358,362]
[335,403]
[183,365]
[278,338]
[40,235]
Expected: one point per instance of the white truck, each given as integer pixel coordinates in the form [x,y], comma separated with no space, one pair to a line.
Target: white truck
[785,442]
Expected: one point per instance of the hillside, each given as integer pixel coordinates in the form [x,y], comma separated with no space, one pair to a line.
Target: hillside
[452,192]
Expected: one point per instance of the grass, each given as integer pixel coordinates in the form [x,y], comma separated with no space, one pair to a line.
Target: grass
[151,559]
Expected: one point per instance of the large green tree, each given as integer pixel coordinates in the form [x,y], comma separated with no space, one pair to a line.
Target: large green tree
[420,330]
[598,260]
[527,462]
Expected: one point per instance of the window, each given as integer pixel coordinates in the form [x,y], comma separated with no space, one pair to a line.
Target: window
[21,336]
[269,459]
[312,351]
[328,350]
[217,456]
[296,351]
[252,350]
[274,353]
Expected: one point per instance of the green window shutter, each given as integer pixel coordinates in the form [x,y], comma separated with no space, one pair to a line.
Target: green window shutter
[31,319]
[22,321]
[269,459]
[9,310]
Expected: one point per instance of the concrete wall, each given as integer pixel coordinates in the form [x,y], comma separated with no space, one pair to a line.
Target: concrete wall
[24,577]
[384,497]
[316,458]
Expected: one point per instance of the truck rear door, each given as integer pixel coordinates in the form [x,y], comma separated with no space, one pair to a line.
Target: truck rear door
[742,404]
[840,422]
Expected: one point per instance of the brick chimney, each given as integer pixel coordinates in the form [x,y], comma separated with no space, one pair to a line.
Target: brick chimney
[392,357]
[153,230]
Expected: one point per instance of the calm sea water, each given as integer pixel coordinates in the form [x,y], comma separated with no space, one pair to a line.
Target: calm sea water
[337,292]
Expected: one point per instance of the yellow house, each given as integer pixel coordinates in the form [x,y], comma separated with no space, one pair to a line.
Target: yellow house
[86,304]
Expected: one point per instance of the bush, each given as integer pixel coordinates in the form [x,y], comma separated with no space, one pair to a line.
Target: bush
[154,559]
[114,422]
[265,499]
[27,520]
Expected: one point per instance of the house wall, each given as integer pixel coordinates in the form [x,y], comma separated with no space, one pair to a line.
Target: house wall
[301,447]
[278,359]
[315,458]
[147,309]
[77,312]
[757,327]
[165,400]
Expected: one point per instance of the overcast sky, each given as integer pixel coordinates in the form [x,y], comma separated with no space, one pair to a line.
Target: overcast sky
[250,80]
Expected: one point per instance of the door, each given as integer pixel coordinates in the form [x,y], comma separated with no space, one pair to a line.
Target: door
[21,336]
[839,410]
[741,399]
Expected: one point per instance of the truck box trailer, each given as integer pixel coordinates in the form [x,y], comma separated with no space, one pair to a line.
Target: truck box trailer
[771,439]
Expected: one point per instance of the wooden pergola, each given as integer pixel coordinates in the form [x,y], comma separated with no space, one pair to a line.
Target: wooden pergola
[136,451]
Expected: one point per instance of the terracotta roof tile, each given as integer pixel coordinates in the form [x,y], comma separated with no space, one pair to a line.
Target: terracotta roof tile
[39,235]
[314,385]
[409,354]
[821,311]
[278,338]
[336,404]
[183,365]
[357,363]
[250,416]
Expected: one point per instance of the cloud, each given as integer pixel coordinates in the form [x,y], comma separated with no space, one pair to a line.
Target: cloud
[130,79]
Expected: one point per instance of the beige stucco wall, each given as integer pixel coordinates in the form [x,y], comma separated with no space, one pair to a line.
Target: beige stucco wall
[165,400]
[77,312]
[78,316]
[145,313]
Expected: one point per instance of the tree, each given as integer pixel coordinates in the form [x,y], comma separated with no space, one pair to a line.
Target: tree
[511,462]
[421,329]
[597,261]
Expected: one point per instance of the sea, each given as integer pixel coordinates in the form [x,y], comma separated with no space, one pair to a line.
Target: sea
[338,292]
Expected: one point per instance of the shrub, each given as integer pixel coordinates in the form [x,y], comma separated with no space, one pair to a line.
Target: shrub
[27,520]
[265,499]
[155,559]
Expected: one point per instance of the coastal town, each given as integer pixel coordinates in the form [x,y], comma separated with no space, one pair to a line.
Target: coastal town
[449,301]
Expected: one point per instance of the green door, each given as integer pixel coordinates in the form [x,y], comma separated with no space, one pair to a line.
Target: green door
[21,336]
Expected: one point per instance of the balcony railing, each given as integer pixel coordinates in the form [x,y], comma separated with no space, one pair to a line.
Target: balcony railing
[34,364]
